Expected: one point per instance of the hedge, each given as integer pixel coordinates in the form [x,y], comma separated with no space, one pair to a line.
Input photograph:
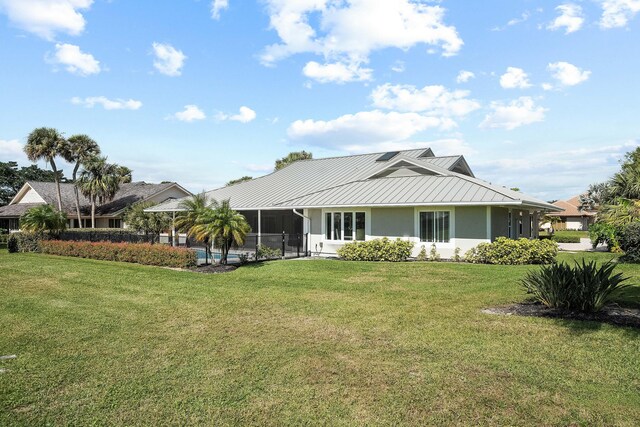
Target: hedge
[141,253]
[377,250]
[559,238]
[513,252]
[25,242]
[114,235]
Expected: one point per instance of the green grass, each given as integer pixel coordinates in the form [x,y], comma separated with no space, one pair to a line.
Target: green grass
[301,342]
[572,233]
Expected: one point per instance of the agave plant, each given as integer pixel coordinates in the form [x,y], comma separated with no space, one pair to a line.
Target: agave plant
[585,287]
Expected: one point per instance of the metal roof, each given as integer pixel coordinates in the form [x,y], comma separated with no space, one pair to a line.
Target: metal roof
[352,181]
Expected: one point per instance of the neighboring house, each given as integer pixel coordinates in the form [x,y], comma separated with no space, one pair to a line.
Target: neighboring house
[571,217]
[411,194]
[108,215]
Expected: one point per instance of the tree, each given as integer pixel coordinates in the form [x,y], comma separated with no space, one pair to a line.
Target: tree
[239,180]
[43,218]
[99,182]
[194,209]
[80,149]
[223,226]
[152,223]
[13,178]
[46,144]
[125,174]
[291,158]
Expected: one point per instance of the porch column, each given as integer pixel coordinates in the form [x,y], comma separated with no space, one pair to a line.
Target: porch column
[173,231]
[259,227]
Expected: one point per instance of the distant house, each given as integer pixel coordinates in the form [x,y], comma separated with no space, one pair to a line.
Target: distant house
[412,195]
[108,215]
[572,217]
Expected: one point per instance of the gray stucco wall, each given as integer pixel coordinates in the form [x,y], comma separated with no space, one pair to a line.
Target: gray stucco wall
[316,220]
[471,222]
[392,222]
[499,222]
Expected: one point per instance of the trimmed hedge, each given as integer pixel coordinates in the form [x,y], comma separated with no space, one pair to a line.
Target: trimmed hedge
[377,250]
[25,242]
[114,235]
[513,252]
[559,238]
[141,253]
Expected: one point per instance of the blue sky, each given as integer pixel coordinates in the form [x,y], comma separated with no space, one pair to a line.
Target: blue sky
[540,95]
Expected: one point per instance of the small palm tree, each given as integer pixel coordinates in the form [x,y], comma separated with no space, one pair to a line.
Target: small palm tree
[99,182]
[193,208]
[46,144]
[43,218]
[81,149]
[223,226]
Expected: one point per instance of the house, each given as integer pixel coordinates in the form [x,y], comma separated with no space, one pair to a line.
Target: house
[108,215]
[412,194]
[572,217]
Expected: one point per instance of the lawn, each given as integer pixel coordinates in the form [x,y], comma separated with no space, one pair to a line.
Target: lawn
[300,342]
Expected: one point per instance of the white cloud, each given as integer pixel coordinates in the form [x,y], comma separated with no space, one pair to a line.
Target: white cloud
[519,112]
[568,74]
[441,147]
[45,18]
[245,115]
[74,60]
[570,18]
[514,78]
[618,13]
[218,6]
[433,100]
[107,104]
[11,149]
[515,21]
[336,73]
[398,67]
[169,60]
[189,114]
[464,76]
[349,31]
[365,128]
[547,86]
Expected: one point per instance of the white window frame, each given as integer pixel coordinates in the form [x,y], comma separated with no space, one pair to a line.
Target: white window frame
[452,225]
[342,212]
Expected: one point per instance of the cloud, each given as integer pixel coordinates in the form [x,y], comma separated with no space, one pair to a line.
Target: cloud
[515,21]
[515,78]
[398,67]
[218,6]
[189,114]
[348,32]
[570,18]
[365,128]
[519,112]
[442,147]
[568,74]
[433,100]
[618,13]
[245,115]
[45,18]
[11,149]
[107,104]
[169,60]
[464,76]
[336,73]
[74,60]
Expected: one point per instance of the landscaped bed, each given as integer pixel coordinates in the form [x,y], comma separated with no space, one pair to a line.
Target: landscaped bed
[290,342]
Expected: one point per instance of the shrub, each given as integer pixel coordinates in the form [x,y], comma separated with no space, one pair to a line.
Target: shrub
[377,250]
[12,244]
[629,239]
[433,253]
[584,287]
[141,253]
[513,252]
[114,235]
[601,232]
[422,256]
[266,252]
[25,242]
[560,238]
[456,255]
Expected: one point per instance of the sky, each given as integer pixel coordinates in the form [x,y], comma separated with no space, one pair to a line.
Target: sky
[539,95]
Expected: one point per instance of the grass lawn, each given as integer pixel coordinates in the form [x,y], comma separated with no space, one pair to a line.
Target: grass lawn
[300,342]
[570,233]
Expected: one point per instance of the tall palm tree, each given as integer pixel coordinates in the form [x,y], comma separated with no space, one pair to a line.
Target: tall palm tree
[43,218]
[194,208]
[81,148]
[125,174]
[46,144]
[223,226]
[99,182]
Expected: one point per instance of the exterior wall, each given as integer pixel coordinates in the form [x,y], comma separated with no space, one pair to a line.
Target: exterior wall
[31,197]
[173,192]
[499,222]
[392,222]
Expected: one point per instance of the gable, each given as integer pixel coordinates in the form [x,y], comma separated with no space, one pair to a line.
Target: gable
[27,195]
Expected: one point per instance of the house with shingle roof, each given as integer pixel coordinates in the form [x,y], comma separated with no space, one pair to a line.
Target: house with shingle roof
[411,194]
[108,215]
[572,217]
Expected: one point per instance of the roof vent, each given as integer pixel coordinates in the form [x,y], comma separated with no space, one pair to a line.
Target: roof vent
[427,153]
[387,156]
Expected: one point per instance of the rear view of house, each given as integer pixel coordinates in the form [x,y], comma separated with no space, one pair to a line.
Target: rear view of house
[572,216]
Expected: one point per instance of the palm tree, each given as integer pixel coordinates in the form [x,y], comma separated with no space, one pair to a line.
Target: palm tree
[45,144]
[124,173]
[194,208]
[99,182]
[81,148]
[223,226]
[43,218]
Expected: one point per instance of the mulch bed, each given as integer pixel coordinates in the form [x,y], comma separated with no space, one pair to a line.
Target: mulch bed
[214,268]
[611,314]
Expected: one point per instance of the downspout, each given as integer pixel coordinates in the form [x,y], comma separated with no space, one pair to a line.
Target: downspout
[308,224]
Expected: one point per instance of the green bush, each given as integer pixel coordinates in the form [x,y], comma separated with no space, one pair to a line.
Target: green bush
[141,253]
[559,238]
[12,244]
[584,287]
[377,250]
[602,232]
[422,255]
[266,252]
[114,235]
[25,242]
[513,252]
[629,239]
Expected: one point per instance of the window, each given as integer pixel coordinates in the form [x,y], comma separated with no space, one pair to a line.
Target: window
[510,219]
[520,225]
[115,223]
[435,226]
[344,226]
